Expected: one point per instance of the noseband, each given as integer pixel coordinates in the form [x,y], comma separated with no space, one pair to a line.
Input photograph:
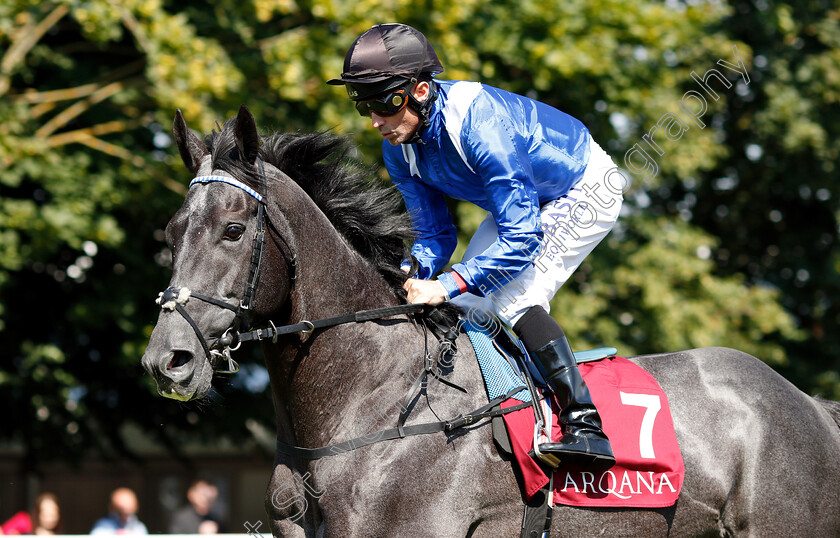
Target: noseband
[174,298]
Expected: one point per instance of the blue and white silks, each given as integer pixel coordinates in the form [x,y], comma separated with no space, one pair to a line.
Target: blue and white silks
[504,153]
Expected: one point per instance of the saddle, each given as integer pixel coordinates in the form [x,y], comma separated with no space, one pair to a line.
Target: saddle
[512,350]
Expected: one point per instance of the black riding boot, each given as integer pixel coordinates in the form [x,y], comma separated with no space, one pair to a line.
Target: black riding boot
[583,442]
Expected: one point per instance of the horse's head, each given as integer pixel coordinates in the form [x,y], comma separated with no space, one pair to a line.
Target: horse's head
[219,252]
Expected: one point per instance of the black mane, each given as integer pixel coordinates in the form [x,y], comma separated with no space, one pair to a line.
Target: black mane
[367,213]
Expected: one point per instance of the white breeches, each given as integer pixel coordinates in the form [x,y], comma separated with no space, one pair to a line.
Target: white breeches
[572,226]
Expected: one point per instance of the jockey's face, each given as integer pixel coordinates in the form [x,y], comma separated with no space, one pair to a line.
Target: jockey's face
[400,127]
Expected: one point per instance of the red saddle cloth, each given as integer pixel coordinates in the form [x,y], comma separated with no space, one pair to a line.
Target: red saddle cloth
[634,410]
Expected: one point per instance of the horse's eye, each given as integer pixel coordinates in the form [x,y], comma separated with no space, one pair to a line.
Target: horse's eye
[234,232]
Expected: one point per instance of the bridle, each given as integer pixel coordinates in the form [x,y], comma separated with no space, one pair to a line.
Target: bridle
[174,298]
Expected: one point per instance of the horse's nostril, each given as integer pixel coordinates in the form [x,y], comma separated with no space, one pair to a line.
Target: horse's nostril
[179,358]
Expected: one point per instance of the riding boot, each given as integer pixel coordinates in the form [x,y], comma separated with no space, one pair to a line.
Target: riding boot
[583,442]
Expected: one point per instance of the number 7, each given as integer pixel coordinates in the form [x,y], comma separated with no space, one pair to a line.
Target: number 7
[652,405]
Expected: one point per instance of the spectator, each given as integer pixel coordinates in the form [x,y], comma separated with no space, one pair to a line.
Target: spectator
[197,517]
[122,515]
[43,518]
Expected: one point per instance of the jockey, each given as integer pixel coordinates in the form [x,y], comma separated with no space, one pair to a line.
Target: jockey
[535,169]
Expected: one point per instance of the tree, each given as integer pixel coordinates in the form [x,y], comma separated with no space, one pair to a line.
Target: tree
[711,251]
[89,182]
[773,199]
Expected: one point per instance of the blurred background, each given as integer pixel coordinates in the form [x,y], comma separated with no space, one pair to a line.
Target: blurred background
[734,242]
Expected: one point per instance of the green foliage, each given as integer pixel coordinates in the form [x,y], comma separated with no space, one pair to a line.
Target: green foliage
[734,242]
[657,284]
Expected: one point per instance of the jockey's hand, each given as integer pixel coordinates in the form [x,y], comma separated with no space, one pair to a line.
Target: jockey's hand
[430,292]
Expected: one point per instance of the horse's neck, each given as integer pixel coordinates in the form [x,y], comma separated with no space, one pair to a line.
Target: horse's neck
[332,278]
[353,373]
[322,375]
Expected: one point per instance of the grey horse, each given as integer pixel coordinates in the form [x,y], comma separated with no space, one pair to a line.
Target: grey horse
[762,458]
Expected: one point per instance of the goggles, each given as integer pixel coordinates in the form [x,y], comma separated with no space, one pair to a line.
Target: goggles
[388,105]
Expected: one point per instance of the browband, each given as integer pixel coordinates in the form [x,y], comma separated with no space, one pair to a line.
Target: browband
[229,181]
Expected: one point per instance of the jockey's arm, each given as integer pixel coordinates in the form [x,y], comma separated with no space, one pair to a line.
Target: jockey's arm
[498,155]
[435,234]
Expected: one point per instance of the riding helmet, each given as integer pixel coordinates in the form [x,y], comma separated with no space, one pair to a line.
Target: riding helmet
[384,58]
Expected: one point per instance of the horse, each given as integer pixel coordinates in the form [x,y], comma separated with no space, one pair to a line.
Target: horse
[762,458]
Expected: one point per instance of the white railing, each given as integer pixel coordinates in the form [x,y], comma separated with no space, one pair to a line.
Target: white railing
[255,533]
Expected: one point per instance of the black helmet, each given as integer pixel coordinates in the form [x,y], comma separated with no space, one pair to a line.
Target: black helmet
[384,58]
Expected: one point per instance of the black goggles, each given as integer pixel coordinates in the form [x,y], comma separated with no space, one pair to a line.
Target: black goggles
[384,106]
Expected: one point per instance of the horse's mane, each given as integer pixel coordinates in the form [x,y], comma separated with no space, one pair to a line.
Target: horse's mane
[367,213]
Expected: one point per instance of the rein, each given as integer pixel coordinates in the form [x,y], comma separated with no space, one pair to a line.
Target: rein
[447,342]
[306,326]
[175,298]
[485,411]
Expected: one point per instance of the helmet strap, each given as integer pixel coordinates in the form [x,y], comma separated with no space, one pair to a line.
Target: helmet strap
[423,109]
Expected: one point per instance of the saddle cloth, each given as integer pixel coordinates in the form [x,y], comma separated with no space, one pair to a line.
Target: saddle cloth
[500,376]
[635,414]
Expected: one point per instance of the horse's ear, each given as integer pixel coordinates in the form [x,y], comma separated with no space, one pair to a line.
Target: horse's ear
[191,148]
[247,139]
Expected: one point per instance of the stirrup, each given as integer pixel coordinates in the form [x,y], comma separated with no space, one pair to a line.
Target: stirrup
[549,459]
[591,461]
